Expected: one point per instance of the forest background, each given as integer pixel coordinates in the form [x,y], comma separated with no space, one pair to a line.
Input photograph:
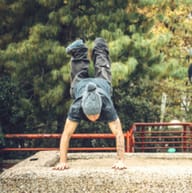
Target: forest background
[150,42]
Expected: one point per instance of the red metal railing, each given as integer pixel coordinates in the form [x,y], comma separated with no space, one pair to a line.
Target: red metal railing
[57,136]
[141,137]
[159,137]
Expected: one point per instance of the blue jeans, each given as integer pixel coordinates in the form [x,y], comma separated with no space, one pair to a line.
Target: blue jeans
[80,63]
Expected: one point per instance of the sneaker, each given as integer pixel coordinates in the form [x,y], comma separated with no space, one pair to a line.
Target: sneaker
[100,43]
[100,40]
[74,45]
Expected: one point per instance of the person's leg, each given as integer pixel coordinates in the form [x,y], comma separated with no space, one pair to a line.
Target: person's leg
[79,62]
[101,59]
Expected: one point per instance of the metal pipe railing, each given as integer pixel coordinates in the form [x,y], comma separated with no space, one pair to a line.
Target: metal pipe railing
[136,138]
[58,136]
[144,140]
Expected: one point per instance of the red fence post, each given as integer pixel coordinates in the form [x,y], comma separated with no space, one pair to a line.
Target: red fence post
[130,139]
[184,138]
[143,138]
[127,142]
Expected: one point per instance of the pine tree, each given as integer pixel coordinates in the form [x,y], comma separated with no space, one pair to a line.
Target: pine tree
[148,41]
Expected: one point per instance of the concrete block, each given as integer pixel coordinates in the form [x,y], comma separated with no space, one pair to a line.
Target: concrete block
[92,173]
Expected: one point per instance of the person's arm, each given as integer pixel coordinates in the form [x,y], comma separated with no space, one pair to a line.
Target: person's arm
[69,129]
[116,129]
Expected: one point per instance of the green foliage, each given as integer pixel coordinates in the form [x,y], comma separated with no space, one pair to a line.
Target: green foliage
[50,3]
[148,41]
[137,102]
[13,108]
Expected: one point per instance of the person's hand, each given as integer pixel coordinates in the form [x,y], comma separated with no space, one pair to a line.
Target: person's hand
[61,166]
[120,165]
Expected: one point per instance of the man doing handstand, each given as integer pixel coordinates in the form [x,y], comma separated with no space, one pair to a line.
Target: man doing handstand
[92,97]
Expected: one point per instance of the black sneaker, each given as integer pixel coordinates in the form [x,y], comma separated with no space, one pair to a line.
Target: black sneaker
[74,45]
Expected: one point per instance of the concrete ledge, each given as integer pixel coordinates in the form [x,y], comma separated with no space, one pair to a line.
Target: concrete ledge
[92,173]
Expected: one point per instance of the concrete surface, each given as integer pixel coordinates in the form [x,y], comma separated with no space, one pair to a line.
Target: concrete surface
[92,173]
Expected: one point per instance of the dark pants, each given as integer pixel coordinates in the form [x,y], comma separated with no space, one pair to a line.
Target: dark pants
[80,63]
